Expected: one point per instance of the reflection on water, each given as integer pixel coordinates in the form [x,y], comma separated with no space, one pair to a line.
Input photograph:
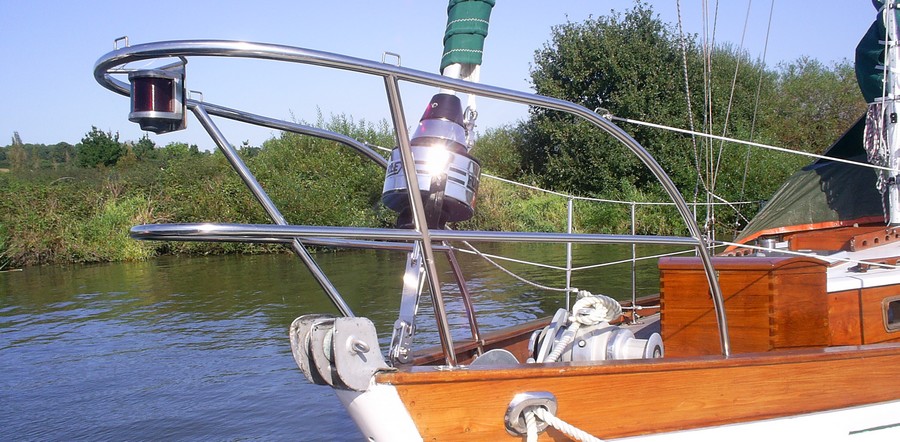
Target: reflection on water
[197,348]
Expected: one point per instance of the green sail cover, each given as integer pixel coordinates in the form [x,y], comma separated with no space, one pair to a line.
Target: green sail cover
[823,194]
[467,27]
[870,55]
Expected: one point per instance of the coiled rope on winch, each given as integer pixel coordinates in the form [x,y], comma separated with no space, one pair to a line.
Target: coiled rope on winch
[589,309]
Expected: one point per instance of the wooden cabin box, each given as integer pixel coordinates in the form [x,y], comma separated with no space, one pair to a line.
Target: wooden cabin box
[770,302]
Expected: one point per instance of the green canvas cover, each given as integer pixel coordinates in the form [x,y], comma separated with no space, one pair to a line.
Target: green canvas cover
[869,56]
[823,194]
[467,27]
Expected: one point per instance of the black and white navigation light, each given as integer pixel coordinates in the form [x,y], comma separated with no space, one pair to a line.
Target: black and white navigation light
[448,176]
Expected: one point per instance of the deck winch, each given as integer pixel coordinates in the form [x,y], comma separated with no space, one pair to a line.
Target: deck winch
[157,99]
[448,176]
[587,335]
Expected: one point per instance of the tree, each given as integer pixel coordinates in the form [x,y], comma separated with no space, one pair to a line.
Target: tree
[144,148]
[99,148]
[815,103]
[248,151]
[62,153]
[178,149]
[18,157]
[633,65]
[497,151]
[630,64]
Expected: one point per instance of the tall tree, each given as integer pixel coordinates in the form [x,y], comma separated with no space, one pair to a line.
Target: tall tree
[633,65]
[815,103]
[18,157]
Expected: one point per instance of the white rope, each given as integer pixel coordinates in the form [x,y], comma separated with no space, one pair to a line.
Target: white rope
[508,259]
[530,426]
[564,341]
[510,273]
[624,261]
[588,310]
[591,309]
[603,200]
[561,425]
[592,199]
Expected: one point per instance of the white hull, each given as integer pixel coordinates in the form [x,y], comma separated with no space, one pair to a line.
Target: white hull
[877,422]
[380,415]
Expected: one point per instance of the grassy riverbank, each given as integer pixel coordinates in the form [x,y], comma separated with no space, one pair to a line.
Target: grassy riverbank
[73,214]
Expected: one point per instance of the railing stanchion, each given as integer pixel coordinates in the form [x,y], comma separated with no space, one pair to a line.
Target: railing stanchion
[634,313]
[569,255]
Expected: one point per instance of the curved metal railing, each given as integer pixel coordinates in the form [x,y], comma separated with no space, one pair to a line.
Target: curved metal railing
[113,63]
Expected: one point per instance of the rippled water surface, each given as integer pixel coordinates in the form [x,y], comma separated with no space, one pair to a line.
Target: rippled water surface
[197,348]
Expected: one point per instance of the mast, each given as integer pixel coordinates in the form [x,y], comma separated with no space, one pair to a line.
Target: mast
[891,108]
[878,75]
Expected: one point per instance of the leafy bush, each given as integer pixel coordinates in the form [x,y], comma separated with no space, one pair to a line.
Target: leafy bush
[4,241]
[104,236]
[99,148]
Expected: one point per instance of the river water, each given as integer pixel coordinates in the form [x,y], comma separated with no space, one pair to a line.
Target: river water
[197,348]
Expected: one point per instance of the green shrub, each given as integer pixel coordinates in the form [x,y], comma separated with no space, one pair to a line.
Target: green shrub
[104,236]
[4,241]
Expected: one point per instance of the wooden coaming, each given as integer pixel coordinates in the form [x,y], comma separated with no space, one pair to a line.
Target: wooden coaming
[841,238]
[770,302]
[845,318]
[858,316]
[626,398]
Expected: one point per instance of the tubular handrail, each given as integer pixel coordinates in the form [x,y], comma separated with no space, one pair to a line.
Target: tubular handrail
[113,61]
[280,233]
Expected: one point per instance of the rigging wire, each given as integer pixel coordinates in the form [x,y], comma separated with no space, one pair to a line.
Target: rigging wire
[687,93]
[751,143]
[708,45]
[756,101]
[737,68]
[707,100]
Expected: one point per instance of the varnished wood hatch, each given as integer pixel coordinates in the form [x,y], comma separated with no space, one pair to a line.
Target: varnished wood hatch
[771,303]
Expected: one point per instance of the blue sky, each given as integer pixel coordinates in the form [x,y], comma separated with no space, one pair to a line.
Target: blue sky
[48,48]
